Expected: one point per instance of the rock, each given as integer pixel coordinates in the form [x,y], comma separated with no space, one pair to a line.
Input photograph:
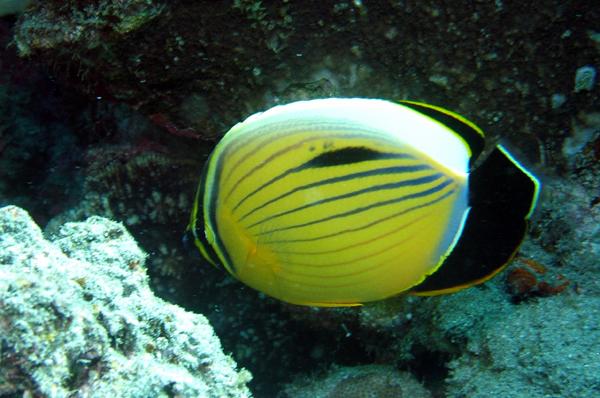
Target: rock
[8,7]
[547,349]
[585,78]
[369,381]
[77,318]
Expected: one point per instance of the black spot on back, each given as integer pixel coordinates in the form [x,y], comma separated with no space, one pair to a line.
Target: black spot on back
[344,156]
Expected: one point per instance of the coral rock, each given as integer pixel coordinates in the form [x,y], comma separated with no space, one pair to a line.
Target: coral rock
[77,318]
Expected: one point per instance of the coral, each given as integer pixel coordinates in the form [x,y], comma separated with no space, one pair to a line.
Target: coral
[139,180]
[523,281]
[77,315]
[140,186]
[89,24]
[520,282]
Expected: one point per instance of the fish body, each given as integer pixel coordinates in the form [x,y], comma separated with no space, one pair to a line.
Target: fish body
[341,201]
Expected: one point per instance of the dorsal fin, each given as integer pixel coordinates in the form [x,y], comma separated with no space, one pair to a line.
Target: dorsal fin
[467,130]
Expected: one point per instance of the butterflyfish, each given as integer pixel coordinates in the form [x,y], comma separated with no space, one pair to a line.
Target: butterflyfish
[342,201]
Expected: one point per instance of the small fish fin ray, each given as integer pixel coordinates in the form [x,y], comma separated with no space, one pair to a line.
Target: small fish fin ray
[502,196]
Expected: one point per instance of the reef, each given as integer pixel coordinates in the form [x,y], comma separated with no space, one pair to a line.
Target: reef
[77,316]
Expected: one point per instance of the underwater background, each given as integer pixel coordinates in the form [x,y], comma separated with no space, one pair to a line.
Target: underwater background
[109,109]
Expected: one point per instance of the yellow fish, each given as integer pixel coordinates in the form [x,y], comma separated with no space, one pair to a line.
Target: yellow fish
[342,201]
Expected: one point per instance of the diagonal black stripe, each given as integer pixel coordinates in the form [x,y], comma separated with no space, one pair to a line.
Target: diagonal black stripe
[369,225]
[374,188]
[427,192]
[307,165]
